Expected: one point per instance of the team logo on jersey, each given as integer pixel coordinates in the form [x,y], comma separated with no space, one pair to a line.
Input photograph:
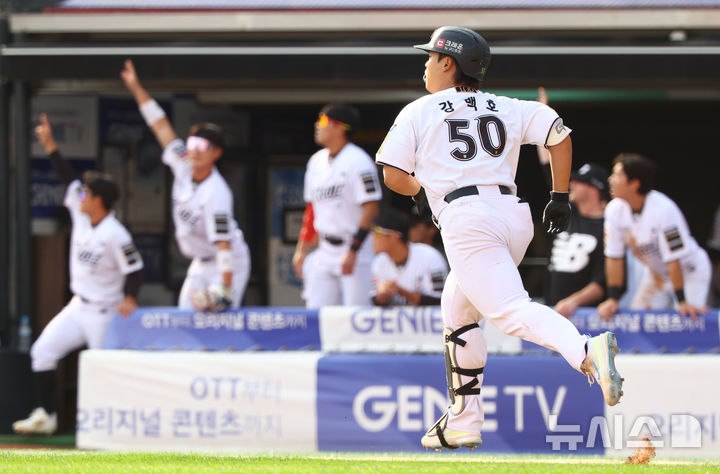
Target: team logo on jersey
[438,281]
[88,257]
[187,216]
[180,150]
[329,192]
[132,256]
[571,252]
[369,182]
[674,239]
[221,224]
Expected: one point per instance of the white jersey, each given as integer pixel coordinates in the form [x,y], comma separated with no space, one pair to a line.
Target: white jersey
[658,234]
[423,272]
[202,212]
[337,187]
[459,137]
[100,256]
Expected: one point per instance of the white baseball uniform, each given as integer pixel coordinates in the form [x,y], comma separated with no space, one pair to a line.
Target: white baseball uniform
[203,216]
[657,235]
[100,257]
[337,188]
[458,138]
[423,272]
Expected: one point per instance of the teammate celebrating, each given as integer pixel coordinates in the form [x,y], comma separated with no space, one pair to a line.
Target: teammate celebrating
[105,277]
[652,226]
[343,192]
[205,228]
[404,272]
[462,146]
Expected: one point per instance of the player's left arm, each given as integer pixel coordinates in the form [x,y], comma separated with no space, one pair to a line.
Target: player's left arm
[676,277]
[131,265]
[370,209]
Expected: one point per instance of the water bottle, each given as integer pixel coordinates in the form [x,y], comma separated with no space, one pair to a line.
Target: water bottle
[24,334]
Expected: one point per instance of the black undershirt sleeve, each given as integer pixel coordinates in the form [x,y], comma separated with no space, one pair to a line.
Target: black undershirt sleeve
[133,281]
[62,168]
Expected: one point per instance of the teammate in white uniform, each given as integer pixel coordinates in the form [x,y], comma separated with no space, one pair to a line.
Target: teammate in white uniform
[677,270]
[105,278]
[462,145]
[404,273]
[342,190]
[205,228]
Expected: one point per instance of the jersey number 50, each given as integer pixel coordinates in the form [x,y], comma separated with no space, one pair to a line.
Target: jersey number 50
[491,131]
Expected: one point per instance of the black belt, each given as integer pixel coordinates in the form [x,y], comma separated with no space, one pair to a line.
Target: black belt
[333,240]
[207,259]
[472,191]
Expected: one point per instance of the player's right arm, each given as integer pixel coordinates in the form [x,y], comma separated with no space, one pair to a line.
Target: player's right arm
[152,113]
[43,132]
[306,240]
[615,276]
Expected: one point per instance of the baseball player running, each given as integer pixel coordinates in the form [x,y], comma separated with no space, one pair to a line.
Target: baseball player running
[205,228]
[404,273]
[342,191]
[105,278]
[677,270]
[462,146]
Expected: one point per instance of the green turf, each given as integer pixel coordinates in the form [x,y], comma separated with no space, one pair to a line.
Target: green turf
[63,441]
[20,461]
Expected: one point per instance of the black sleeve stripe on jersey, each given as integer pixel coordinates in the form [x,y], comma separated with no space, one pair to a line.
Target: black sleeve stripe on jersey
[551,128]
[392,166]
[674,239]
[221,224]
[131,253]
[369,182]
[438,281]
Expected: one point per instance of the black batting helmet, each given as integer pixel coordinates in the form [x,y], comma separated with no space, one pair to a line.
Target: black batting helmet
[470,50]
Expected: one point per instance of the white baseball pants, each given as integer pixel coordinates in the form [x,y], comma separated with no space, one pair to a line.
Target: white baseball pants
[76,325]
[697,278]
[201,275]
[485,238]
[325,285]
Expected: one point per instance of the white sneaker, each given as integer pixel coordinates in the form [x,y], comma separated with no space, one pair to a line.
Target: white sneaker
[439,438]
[599,364]
[39,422]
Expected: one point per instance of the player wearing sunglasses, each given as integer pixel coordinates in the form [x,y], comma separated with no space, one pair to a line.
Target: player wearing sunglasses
[205,228]
[342,192]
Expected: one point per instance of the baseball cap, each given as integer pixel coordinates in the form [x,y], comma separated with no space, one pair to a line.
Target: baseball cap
[392,219]
[344,113]
[594,175]
[210,132]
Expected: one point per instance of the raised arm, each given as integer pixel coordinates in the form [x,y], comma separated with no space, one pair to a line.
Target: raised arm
[43,132]
[152,113]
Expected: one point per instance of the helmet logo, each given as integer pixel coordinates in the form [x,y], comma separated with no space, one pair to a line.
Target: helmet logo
[440,43]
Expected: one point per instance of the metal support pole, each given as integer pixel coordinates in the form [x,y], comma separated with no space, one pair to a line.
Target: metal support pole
[4,193]
[23,233]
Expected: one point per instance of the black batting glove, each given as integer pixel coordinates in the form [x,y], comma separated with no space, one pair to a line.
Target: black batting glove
[556,215]
[421,202]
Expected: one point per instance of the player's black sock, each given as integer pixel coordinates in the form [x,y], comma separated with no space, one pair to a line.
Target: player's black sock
[45,389]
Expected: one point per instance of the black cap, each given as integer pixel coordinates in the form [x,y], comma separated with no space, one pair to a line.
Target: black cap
[392,219]
[594,175]
[210,132]
[344,113]
[102,184]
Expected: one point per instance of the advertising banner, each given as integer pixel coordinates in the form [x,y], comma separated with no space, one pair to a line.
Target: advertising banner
[193,401]
[650,331]
[386,403]
[397,329]
[261,328]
